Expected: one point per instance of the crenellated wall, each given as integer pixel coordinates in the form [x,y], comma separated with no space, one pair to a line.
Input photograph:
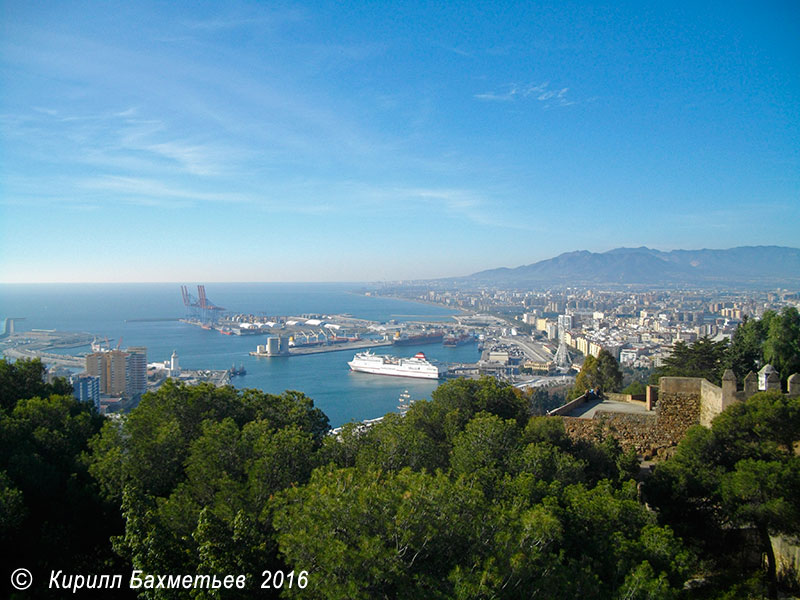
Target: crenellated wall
[682,402]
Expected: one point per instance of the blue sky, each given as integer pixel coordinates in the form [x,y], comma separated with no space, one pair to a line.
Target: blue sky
[191,141]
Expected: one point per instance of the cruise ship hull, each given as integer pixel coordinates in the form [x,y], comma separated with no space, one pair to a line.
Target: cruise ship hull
[373,371]
[417,367]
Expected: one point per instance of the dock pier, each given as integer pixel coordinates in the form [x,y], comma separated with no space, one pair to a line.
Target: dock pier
[304,350]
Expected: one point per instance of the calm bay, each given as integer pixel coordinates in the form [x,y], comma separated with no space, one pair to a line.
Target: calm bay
[103,309]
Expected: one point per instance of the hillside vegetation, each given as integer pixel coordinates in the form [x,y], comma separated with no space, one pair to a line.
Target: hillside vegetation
[466,496]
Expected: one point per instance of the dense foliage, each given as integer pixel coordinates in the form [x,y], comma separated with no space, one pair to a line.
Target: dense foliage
[194,468]
[703,358]
[466,496]
[510,511]
[743,472]
[601,374]
[24,379]
[773,339]
[463,497]
[51,513]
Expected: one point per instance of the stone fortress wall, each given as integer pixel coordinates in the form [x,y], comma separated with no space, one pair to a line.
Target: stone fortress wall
[673,406]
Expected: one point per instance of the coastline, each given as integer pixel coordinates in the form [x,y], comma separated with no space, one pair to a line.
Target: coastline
[415,300]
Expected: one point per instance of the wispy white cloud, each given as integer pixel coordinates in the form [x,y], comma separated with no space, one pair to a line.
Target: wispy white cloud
[121,140]
[196,159]
[538,92]
[297,199]
[153,192]
[454,203]
[128,112]
[222,23]
[261,17]
[497,97]
[456,50]
[47,111]
[472,206]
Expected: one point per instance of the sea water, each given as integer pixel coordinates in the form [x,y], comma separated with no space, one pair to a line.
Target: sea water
[103,309]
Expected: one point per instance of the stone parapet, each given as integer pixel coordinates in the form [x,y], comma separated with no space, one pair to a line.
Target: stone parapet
[682,402]
[793,385]
[750,384]
[712,400]
[773,381]
[631,398]
[568,407]
[651,397]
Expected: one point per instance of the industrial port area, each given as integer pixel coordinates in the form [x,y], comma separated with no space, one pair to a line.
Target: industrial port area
[528,339]
[500,352]
[521,360]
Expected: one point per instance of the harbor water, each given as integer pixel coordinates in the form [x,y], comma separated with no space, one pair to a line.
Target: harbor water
[119,312]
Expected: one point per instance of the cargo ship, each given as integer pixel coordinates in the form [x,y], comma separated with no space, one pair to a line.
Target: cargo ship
[418,366]
[424,337]
[451,341]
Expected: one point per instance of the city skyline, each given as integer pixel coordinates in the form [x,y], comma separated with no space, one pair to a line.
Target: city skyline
[245,142]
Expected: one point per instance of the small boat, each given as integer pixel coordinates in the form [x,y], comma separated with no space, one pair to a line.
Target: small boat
[405,401]
[234,371]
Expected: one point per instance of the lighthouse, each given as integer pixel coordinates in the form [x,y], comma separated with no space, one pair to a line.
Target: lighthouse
[174,367]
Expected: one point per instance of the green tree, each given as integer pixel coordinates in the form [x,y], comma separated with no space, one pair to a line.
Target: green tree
[601,373]
[469,396]
[455,402]
[376,534]
[635,388]
[51,513]
[741,472]
[342,449]
[587,378]
[513,512]
[608,372]
[372,534]
[12,508]
[24,379]
[745,352]
[782,345]
[403,441]
[703,358]
[546,429]
[194,468]
[485,449]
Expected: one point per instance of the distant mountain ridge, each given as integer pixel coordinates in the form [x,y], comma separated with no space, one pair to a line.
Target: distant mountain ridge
[748,265]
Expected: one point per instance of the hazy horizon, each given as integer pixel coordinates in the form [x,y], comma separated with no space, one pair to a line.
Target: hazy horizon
[346,282]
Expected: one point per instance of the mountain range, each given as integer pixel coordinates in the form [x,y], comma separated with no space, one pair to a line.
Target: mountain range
[762,266]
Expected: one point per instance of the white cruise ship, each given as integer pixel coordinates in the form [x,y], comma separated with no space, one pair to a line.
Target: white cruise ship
[417,366]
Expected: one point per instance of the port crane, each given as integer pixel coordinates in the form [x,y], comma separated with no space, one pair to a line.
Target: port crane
[199,307]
